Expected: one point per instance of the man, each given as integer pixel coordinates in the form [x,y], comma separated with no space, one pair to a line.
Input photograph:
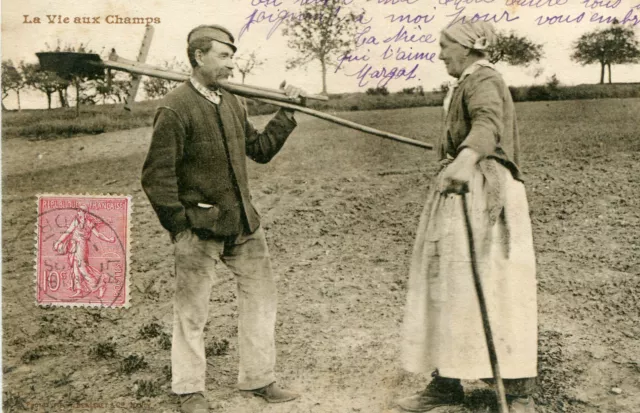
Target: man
[195,177]
[480,150]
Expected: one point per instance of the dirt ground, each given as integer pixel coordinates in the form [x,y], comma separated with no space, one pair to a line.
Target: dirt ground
[340,209]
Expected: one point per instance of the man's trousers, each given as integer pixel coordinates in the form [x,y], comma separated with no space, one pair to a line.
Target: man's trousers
[247,256]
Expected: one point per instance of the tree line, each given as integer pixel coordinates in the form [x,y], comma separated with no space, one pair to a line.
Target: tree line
[324,40]
[88,89]
[91,90]
[314,40]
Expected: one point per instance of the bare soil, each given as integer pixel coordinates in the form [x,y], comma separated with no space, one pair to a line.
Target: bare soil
[340,209]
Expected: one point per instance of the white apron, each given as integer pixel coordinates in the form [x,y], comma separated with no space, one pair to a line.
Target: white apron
[442,326]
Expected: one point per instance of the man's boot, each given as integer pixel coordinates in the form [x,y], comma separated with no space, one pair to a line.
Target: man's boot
[439,392]
[193,403]
[274,393]
[521,404]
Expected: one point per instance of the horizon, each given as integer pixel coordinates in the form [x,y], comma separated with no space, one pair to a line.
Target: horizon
[21,40]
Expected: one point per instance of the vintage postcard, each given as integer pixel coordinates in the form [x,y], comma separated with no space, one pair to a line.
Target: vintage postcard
[322,206]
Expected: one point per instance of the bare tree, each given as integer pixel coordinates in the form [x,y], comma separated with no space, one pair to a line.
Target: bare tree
[155,88]
[616,44]
[322,32]
[12,79]
[80,79]
[112,89]
[247,64]
[44,81]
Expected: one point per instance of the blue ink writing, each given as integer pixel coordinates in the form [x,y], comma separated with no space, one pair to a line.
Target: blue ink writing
[594,4]
[362,38]
[407,18]
[458,17]
[383,74]
[403,36]
[276,18]
[320,2]
[348,57]
[597,18]
[394,2]
[459,4]
[361,19]
[266,3]
[536,3]
[632,17]
[401,54]
[259,16]
[559,19]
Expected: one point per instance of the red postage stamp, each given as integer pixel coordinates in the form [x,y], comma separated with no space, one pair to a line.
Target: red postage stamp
[82,250]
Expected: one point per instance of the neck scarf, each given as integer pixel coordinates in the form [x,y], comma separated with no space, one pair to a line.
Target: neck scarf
[212,96]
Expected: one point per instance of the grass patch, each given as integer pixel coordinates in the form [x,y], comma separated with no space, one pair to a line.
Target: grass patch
[63,380]
[13,402]
[165,341]
[132,363]
[148,291]
[152,330]
[59,123]
[104,350]
[217,348]
[166,373]
[42,124]
[37,353]
[147,388]
[579,92]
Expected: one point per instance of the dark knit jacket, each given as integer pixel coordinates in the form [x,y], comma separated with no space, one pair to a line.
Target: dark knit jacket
[198,156]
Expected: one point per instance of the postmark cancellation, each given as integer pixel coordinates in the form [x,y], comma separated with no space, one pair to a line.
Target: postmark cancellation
[82,250]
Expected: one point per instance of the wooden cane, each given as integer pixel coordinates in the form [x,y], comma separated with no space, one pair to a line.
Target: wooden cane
[493,357]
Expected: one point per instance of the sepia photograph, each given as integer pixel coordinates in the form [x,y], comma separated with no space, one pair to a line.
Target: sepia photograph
[321,206]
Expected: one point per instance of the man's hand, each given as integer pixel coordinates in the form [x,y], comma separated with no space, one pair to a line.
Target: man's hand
[292,92]
[456,176]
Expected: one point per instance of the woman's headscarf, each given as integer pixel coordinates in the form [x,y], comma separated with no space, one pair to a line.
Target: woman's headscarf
[473,35]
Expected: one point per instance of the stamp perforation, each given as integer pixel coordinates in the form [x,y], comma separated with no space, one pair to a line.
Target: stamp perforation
[80,232]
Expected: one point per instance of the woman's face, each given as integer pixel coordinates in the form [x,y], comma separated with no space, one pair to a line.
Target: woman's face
[454,56]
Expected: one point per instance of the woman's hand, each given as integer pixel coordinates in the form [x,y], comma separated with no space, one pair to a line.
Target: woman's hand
[456,176]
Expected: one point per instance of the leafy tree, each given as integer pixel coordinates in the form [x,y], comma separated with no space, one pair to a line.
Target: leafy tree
[616,44]
[514,50]
[114,89]
[12,79]
[321,33]
[155,88]
[81,79]
[247,64]
[44,81]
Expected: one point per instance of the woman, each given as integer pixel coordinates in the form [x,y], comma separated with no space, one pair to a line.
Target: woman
[480,151]
[75,243]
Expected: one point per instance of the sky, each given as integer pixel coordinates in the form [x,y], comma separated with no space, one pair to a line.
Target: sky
[556,24]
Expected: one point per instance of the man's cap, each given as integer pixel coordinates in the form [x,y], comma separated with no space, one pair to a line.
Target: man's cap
[214,32]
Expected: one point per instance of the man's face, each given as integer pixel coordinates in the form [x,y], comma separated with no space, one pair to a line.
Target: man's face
[216,64]
[454,56]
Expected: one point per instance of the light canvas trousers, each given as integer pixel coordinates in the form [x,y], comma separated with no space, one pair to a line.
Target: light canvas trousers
[247,256]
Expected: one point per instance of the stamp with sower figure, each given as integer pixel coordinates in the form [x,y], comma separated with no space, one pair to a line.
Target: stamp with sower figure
[82,250]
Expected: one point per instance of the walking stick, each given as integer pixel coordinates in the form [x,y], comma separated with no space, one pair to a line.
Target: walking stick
[493,357]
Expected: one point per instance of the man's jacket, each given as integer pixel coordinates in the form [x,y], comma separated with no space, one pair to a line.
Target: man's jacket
[195,174]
